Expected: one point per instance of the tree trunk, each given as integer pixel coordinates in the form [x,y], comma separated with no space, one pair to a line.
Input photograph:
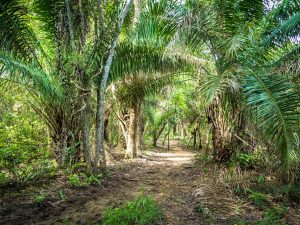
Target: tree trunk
[205,152]
[157,133]
[137,11]
[169,139]
[154,139]
[221,133]
[87,151]
[194,137]
[166,136]
[131,149]
[140,130]
[174,130]
[200,138]
[106,122]
[101,92]
[60,146]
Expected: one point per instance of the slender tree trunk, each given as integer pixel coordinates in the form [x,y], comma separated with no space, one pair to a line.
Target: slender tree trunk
[200,138]
[154,139]
[106,122]
[131,150]
[169,139]
[140,129]
[87,151]
[194,137]
[101,92]
[157,133]
[174,130]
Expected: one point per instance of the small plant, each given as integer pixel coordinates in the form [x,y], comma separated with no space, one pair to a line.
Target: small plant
[93,179]
[201,209]
[74,180]
[84,180]
[257,198]
[141,211]
[62,195]
[107,173]
[40,197]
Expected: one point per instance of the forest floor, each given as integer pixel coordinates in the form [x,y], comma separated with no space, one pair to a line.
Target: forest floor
[170,177]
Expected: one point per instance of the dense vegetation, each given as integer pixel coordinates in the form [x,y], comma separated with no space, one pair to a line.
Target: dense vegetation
[84,82]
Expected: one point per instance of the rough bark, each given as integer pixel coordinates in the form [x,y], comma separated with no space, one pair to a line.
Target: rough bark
[222,140]
[86,133]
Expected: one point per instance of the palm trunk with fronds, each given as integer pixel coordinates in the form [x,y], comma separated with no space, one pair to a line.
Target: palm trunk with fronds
[221,132]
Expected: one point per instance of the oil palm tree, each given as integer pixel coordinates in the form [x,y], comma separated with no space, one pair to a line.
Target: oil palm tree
[60,47]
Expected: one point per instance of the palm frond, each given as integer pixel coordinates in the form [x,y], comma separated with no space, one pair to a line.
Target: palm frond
[15,33]
[136,89]
[215,85]
[283,23]
[275,103]
[31,76]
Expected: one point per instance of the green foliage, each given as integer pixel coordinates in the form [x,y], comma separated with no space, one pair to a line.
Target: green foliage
[273,216]
[275,102]
[81,179]
[257,198]
[62,195]
[259,159]
[24,153]
[74,180]
[40,197]
[141,211]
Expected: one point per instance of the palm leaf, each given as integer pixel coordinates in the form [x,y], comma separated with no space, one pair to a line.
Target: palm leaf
[31,76]
[275,102]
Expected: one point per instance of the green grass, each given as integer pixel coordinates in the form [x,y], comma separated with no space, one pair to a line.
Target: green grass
[141,211]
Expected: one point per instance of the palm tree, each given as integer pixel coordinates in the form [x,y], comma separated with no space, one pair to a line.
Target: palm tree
[242,67]
[141,61]
[60,47]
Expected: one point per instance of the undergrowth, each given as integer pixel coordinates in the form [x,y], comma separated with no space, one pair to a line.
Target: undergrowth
[143,210]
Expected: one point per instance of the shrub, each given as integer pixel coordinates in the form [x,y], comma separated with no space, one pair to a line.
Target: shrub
[84,180]
[141,211]
[24,147]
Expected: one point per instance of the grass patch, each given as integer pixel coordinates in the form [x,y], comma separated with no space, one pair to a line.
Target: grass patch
[143,210]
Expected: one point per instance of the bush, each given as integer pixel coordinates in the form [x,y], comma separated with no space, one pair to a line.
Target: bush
[142,211]
[24,149]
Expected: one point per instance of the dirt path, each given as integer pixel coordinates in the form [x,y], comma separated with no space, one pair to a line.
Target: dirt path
[168,176]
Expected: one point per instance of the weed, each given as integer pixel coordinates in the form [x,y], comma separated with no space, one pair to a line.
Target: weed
[74,180]
[62,195]
[40,197]
[141,211]
[84,180]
